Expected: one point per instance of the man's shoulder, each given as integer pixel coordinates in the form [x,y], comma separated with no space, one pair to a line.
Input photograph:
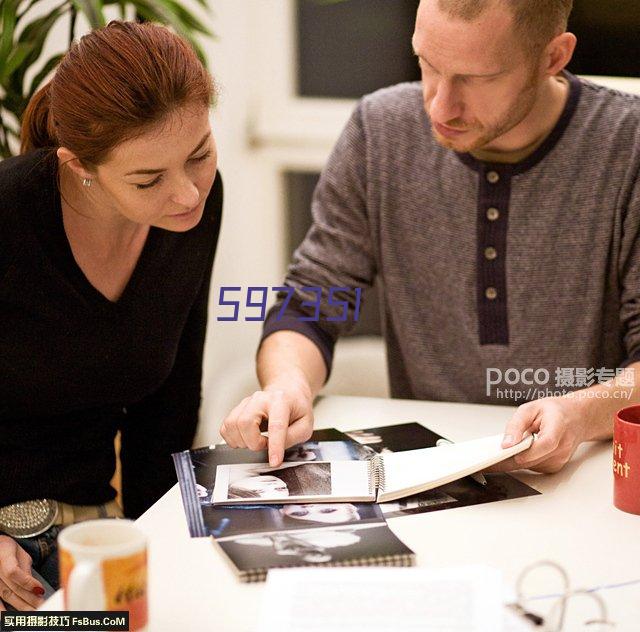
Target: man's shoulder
[609,109]
[396,113]
[399,95]
[403,101]
[604,92]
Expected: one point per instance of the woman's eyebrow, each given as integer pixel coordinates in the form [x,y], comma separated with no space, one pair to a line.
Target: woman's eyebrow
[152,171]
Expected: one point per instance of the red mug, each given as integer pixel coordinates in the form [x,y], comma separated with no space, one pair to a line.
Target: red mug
[626,459]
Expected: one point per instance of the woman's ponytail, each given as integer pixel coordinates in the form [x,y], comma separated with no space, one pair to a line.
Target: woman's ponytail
[37,128]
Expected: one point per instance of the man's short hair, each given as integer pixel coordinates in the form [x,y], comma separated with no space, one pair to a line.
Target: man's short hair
[538,21]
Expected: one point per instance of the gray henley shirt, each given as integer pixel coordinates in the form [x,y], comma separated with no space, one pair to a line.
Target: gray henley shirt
[533,265]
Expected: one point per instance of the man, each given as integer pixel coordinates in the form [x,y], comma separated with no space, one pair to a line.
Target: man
[498,202]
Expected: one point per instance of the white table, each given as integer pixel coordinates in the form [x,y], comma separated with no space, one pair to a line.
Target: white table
[573,523]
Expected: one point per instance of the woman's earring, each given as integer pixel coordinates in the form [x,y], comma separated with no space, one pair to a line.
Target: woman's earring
[86,182]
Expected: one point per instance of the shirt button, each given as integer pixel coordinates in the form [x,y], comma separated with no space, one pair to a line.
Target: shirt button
[491,293]
[493,176]
[490,253]
[493,214]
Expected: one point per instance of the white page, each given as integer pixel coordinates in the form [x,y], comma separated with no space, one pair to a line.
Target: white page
[349,480]
[467,599]
[431,467]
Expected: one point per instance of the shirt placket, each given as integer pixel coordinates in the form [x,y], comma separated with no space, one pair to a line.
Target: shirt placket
[494,190]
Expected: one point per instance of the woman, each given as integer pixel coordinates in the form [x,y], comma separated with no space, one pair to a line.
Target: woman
[109,222]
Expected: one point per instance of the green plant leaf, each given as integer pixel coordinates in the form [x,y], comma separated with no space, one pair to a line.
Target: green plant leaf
[171,13]
[92,9]
[14,60]
[8,19]
[34,29]
[189,21]
[164,12]
[34,35]
[205,5]
[12,101]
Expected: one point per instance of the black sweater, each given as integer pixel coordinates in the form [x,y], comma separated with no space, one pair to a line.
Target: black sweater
[76,367]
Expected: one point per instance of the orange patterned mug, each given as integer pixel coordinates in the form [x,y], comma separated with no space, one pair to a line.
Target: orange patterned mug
[103,566]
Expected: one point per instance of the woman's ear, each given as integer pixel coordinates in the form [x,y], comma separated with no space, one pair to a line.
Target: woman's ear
[67,157]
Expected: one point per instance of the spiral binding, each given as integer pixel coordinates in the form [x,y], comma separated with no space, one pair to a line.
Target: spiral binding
[400,559]
[380,482]
[376,474]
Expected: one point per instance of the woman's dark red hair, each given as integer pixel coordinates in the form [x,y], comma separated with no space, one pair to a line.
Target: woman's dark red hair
[113,85]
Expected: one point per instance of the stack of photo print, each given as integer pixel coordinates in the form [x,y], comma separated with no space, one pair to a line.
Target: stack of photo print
[255,538]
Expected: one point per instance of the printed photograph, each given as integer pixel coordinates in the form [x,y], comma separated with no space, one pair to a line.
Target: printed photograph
[407,436]
[318,546]
[416,504]
[196,471]
[225,521]
[327,451]
[206,460]
[257,481]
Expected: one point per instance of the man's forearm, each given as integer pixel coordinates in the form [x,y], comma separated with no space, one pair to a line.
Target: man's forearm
[286,358]
[601,401]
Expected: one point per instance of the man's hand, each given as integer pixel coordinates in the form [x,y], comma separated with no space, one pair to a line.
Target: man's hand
[289,411]
[561,426]
[18,586]
[563,423]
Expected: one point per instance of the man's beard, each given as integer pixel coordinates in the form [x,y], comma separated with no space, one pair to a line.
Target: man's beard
[520,109]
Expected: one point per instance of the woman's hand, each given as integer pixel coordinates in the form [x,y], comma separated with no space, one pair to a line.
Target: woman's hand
[289,411]
[18,586]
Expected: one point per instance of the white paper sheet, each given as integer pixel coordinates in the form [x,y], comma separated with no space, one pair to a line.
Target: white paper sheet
[431,467]
[466,599]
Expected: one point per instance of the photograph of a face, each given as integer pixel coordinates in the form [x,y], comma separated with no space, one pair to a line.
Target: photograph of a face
[259,482]
[325,445]
[318,546]
[226,521]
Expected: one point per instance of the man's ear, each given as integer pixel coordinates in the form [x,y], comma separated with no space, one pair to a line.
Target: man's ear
[67,157]
[559,53]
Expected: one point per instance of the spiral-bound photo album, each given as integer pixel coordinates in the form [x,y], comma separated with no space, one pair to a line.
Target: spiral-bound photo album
[258,536]
[255,538]
[381,478]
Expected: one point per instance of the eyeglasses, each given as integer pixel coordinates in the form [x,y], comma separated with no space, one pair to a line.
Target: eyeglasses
[557,619]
